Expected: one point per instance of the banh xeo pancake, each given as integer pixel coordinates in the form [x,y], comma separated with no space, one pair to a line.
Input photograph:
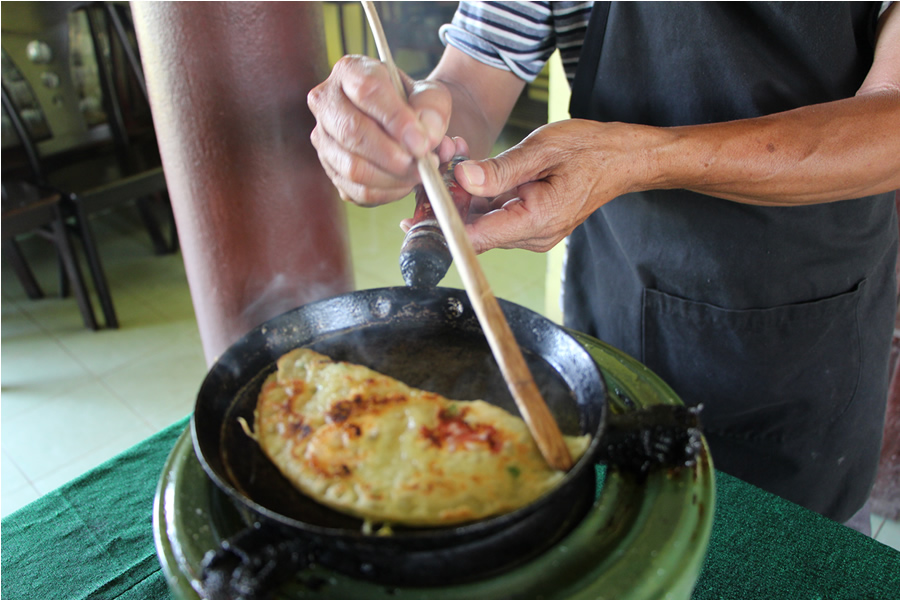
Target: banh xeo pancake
[366,444]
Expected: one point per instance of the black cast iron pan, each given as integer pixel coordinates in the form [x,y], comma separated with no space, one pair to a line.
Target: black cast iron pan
[428,338]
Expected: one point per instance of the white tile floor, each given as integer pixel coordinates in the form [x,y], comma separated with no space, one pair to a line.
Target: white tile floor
[72,398]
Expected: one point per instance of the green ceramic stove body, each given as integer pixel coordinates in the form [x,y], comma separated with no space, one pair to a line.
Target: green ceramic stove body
[639,541]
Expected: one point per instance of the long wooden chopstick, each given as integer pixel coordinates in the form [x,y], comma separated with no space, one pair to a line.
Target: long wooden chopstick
[503,344]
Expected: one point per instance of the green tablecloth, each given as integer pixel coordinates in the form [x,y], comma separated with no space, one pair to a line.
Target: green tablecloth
[93,538]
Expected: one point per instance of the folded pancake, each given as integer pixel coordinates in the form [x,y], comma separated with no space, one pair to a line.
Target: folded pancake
[368,445]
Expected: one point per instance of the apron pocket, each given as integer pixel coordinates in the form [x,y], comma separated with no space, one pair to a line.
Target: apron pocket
[768,374]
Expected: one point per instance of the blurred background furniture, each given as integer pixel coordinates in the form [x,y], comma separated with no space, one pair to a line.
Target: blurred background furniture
[29,210]
[75,97]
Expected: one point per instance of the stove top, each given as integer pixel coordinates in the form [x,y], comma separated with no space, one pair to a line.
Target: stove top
[640,539]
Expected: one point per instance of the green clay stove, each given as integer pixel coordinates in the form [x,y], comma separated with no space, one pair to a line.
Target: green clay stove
[643,538]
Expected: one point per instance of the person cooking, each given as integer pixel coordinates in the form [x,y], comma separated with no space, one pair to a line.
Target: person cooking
[725,187]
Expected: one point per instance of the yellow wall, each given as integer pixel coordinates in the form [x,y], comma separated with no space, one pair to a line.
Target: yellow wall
[354,27]
[356,30]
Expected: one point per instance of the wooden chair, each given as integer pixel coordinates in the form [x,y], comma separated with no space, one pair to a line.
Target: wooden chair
[92,166]
[29,210]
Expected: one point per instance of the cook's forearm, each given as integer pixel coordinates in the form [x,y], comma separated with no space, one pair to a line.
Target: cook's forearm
[470,123]
[483,98]
[822,153]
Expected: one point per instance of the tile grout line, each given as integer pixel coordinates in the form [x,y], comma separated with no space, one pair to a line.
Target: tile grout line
[25,476]
[127,405]
[78,458]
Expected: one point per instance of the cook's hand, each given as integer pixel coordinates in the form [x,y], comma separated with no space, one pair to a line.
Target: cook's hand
[544,187]
[450,148]
[368,138]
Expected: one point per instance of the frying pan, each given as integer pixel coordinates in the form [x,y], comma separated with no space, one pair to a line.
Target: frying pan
[428,338]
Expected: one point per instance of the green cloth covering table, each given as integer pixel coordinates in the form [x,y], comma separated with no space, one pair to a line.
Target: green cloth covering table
[93,538]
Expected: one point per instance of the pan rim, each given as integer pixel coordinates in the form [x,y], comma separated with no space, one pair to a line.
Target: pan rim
[402,534]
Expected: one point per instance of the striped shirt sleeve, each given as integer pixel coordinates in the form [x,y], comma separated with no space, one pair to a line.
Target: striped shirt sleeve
[518,36]
[570,23]
[521,36]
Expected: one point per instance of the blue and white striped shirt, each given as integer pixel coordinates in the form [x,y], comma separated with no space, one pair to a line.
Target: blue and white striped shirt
[520,36]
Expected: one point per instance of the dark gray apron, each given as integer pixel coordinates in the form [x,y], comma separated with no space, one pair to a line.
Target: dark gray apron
[777,320]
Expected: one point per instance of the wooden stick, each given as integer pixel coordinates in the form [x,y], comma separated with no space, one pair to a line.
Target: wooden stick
[503,344]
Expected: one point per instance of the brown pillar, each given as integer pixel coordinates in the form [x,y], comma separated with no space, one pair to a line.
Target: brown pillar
[261,228]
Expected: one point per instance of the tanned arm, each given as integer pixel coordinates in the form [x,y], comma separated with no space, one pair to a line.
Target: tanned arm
[483,98]
[821,153]
[559,175]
